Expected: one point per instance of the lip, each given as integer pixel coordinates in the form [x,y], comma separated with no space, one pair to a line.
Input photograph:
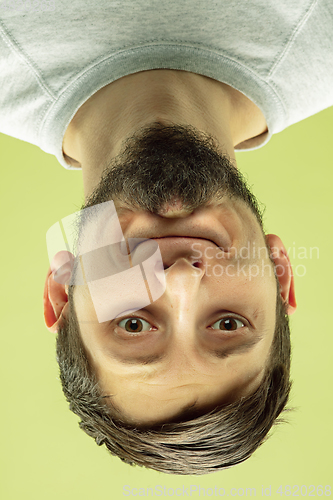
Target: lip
[172,248]
[137,241]
[220,238]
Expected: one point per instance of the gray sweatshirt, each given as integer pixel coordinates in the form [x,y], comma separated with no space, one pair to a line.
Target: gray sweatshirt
[55,54]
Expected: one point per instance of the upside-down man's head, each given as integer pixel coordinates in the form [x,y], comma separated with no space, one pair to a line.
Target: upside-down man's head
[193,382]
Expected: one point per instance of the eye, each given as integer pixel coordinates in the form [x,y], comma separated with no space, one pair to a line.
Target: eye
[135,325]
[228,324]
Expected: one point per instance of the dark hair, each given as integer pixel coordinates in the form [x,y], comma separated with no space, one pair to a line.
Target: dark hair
[221,438]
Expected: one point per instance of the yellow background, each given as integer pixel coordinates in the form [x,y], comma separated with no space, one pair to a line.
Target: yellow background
[44,454]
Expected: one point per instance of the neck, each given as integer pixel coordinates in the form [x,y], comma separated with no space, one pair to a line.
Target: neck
[98,130]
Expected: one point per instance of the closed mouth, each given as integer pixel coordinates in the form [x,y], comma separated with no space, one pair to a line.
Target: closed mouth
[129,247]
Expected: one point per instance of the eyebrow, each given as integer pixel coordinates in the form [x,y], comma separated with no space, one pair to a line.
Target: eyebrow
[220,353]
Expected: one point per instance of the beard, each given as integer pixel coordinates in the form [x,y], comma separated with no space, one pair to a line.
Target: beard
[167,164]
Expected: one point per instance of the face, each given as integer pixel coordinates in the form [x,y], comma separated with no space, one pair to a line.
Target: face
[206,340]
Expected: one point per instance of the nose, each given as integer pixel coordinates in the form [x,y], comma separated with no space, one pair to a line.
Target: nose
[183,274]
[173,258]
[197,264]
[182,294]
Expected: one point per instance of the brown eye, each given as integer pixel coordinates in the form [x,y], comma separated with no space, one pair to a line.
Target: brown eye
[134,325]
[228,324]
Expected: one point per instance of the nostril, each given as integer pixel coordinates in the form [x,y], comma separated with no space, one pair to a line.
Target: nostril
[194,264]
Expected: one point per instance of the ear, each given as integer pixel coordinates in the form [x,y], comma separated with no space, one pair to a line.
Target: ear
[284,271]
[56,290]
